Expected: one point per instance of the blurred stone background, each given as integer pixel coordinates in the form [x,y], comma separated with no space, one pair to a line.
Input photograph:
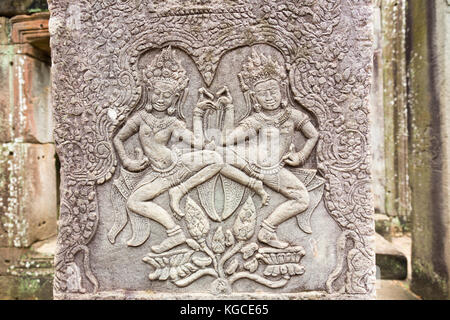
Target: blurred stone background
[410,127]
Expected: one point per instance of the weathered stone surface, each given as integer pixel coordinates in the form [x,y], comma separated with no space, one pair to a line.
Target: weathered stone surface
[25,107]
[377,117]
[28,274]
[25,114]
[32,29]
[9,257]
[32,119]
[213,149]
[383,226]
[5,94]
[4,30]
[11,8]
[395,110]
[392,263]
[26,287]
[28,193]
[428,63]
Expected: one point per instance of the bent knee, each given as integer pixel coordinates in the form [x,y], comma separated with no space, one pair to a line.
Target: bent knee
[301,197]
[211,157]
[132,203]
[136,198]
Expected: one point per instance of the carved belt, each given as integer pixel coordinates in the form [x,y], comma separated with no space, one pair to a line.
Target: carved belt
[266,170]
[176,159]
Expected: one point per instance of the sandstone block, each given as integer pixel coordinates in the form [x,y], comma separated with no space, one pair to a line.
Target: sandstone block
[6,59]
[5,30]
[392,263]
[429,163]
[32,118]
[25,113]
[9,257]
[28,193]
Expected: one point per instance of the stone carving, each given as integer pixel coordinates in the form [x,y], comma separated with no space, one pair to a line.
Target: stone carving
[153,132]
[165,80]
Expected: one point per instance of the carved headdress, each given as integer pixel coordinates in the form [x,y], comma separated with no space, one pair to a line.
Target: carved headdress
[256,69]
[260,68]
[165,67]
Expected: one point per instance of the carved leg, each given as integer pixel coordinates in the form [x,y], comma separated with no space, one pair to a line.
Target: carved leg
[140,203]
[292,188]
[242,178]
[175,237]
[177,192]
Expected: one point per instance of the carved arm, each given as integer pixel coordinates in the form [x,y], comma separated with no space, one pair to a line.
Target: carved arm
[130,164]
[298,158]
[239,134]
[312,135]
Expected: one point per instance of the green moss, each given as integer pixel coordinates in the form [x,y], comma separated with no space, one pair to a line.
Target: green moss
[427,283]
[34,10]
[392,268]
[28,286]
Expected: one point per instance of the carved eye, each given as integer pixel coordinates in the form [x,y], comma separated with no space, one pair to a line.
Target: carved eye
[167,95]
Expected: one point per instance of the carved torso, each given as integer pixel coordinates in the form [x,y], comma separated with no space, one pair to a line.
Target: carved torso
[274,134]
[154,136]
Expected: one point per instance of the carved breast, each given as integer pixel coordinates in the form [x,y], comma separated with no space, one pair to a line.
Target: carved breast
[154,145]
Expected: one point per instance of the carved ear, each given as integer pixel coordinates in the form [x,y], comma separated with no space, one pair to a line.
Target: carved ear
[255,105]
[252,96]
[173,108]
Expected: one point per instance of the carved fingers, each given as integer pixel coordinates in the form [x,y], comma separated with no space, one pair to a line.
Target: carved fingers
[135,165]
[225,97]
[206,104]
[206,99]
[293,158]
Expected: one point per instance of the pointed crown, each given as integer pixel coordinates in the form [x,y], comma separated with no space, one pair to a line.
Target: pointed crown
[165,67]
[260,68]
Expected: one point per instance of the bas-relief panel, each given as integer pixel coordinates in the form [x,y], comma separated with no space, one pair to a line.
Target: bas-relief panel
[227,157]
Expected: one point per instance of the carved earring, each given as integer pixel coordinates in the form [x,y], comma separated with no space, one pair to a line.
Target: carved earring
[256,106]
[171,110]
[284,103]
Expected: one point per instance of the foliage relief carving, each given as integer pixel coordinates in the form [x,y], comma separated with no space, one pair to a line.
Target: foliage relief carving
[328,71]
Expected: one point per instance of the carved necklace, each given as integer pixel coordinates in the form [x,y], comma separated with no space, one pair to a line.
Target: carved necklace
[276,120]
[157,124]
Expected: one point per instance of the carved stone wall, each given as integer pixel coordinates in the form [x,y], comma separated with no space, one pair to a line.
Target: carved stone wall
[213,148]
[28,175]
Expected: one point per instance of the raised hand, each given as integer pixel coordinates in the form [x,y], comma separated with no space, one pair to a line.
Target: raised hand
[205,101]
[225,97]
[206,104]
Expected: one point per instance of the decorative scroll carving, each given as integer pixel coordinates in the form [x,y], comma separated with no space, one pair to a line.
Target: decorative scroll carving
[99,86]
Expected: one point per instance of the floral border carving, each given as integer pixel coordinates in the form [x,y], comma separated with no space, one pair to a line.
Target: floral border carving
[95,46]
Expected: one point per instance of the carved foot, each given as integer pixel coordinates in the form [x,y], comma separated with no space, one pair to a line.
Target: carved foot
[175,238]
[175,194]
[259,189]
[270,237]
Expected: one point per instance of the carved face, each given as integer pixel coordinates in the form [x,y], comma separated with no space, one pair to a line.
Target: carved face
[163,96]
[268,94]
